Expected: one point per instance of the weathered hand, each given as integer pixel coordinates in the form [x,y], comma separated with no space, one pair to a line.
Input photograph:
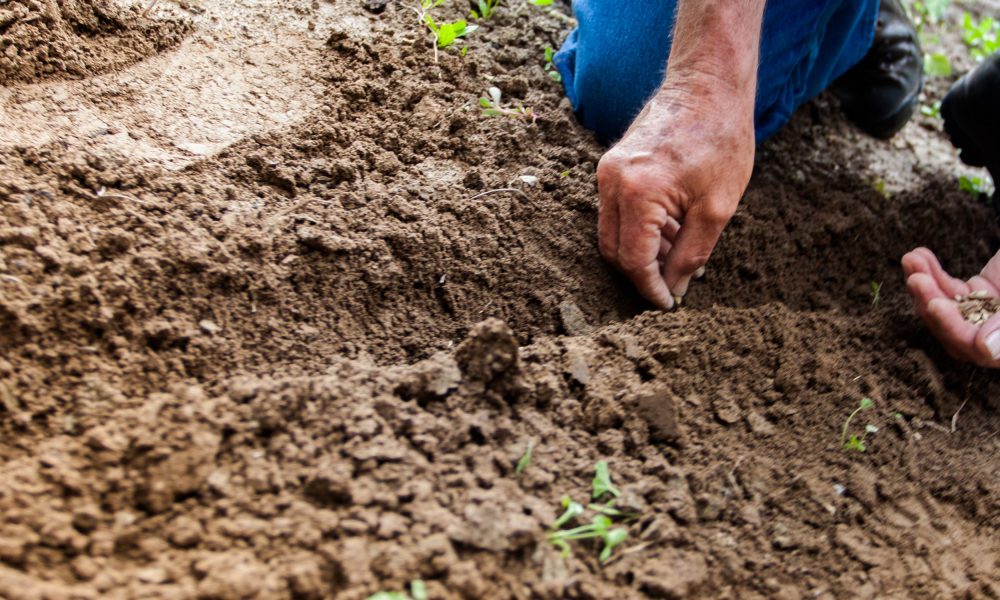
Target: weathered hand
[671,184]
[934,291]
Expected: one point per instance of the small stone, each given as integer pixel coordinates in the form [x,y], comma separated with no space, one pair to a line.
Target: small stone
[573,319]
[578,368]
[659,409]
[758,424]
[727,411]
[184,532]
[208,327]
[84,567]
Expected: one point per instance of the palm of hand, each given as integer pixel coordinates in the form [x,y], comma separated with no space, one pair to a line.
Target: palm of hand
[934,290]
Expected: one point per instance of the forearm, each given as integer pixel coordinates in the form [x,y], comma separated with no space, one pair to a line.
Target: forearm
[716,43]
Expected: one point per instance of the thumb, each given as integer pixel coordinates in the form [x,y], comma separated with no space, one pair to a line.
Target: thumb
[988,340]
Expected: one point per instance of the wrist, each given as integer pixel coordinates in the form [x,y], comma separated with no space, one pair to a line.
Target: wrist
[716,46]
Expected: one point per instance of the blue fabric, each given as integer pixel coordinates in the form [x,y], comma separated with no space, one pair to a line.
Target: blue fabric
[615,59]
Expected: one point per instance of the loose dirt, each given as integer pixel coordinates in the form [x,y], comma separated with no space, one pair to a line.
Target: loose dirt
[259,339]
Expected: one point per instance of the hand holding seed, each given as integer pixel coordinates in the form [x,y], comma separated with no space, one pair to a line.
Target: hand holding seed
[669,187]
[962,315]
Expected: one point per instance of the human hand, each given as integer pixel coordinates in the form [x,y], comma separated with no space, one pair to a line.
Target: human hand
[934,290]
[671,184]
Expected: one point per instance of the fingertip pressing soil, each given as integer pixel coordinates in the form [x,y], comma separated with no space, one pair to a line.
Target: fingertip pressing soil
[302,356]
[73,39]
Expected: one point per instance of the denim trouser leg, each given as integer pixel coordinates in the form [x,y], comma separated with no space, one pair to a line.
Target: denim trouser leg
[615,59]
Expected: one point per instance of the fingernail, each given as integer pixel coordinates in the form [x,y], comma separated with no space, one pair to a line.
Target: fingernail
[678,300]
[699,273]
[993,343]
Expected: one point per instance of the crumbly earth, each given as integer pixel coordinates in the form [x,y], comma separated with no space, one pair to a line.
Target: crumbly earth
[279,315]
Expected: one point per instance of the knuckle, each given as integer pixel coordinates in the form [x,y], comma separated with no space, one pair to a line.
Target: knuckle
[719,213]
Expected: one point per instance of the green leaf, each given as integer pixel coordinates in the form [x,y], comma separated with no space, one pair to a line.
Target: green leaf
[869,428]
[602,481]
[937,65]
[541,2]
[491,112]
[866,403]
[855,443]
[972,185]
[525,459]
[418,589]
[572,511]
[612,539]
[933,111]
[548,54]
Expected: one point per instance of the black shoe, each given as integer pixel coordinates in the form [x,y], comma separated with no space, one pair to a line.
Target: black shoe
[971,113]
[879,94]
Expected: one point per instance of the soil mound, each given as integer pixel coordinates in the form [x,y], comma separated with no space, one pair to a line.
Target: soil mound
[56,39]
[306,365]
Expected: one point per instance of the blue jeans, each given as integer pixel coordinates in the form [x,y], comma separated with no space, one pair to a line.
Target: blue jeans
[615,60]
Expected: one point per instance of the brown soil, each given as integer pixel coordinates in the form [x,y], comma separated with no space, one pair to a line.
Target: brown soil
[49,39]
[270,328]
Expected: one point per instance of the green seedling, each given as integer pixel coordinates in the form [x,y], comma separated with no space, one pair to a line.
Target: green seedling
[571,510]
[933,111]
[541,2]
[418,591]
[599,527]
[928,12]
[524,461]
[445,34]
[493,107]
[973,185]
[879,184]
[876,292]
[602,481]
[936,64]
[551,68]
[855,442]
[484,9]
[982,37]
[601,524]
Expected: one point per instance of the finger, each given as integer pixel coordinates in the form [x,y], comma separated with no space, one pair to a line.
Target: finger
[649,282]
[608,225]
[952,287]
[950,328]
[988,342]
[640,242]
[991,271]
[665,246]
[923,288]
[670,229]
[703,225]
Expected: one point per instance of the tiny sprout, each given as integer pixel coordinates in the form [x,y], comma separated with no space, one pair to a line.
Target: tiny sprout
[937,65]
[855,442]
[973,185]
[418,589]
[612,539]
[876,292]
[572,511]
[492,107]
[550,68]
[445,34]
[486,8]
[524,461]
[602,481]
[933,111]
